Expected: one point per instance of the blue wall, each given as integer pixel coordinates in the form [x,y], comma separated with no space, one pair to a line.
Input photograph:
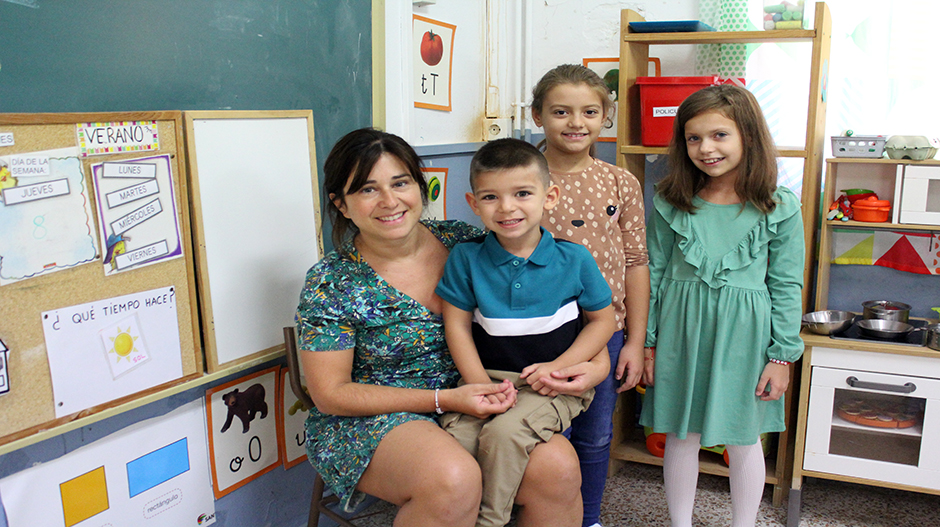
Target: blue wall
[141,55]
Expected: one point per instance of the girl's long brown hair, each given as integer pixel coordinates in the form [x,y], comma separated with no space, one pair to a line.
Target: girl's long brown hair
[757,178]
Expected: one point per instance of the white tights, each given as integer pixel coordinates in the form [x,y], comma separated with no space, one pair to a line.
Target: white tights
[680,473]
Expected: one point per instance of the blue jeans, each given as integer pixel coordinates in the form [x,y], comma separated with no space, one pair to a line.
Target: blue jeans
[591,434]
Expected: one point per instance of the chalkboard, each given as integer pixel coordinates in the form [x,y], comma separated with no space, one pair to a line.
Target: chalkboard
[119,55]
[89,365]
[255,208]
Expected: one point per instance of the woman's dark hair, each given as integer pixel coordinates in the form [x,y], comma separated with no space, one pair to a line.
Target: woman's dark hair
[351,161]
[757,178]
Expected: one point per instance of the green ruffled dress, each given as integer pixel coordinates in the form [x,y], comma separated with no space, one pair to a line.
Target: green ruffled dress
[726,286]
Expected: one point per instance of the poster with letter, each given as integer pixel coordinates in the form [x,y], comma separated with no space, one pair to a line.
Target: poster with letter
[433,63]
[242,423]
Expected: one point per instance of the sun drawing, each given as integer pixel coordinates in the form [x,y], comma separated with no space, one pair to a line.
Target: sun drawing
[123,344]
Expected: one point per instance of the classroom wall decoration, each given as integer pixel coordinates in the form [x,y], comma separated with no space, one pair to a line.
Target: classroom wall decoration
[45,214]
[608,68]
[433,62]
[152,474]
[136,213]
[119,345]
[291,432]
[242,423]
[4,371]
[256,223]
[437,192]
[84,336]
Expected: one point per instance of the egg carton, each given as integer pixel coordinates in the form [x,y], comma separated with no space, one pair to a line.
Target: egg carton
[914,147]
[859,146]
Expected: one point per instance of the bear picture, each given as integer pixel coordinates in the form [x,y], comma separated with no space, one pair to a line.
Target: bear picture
[244,405]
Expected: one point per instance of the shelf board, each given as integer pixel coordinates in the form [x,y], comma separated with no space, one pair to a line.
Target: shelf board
[60,426]
[871,482]
[708,462]
[881,225]
[722,37]
[662,150]
[882,161]
[914,431]
[824,341]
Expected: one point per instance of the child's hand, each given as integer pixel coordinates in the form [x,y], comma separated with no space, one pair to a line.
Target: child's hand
[649,365]
[773,382]
[629,366]
[534,374]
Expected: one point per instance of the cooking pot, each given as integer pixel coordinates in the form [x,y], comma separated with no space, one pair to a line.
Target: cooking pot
[886,310]
[933,336]
[884,329]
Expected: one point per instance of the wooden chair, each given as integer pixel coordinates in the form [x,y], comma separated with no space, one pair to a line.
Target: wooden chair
[318,503]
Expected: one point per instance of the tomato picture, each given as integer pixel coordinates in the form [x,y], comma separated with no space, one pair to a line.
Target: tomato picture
[432,48]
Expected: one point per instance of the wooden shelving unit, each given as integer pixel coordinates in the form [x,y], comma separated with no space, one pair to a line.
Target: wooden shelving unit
[629,442]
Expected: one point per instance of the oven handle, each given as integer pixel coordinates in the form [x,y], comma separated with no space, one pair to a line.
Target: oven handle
[853,381]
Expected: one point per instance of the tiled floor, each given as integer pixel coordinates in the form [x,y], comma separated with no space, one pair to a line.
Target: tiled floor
[635,497]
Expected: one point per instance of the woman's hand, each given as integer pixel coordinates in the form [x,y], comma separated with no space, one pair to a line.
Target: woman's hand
[773,381]
[479,400]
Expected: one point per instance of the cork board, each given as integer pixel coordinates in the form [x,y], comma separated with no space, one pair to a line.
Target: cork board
[255,210]
[29,406]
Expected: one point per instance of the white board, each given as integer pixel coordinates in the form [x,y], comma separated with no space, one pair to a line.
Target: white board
[255,214]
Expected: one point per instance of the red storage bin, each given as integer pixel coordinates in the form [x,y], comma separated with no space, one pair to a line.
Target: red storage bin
[660,97]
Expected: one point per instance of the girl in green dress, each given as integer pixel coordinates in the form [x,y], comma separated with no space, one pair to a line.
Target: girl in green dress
[726,266]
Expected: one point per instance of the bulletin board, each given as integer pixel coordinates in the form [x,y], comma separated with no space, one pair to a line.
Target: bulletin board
[34,402]
[256,204]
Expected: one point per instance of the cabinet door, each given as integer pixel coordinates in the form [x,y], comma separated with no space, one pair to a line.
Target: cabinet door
[874,426]
[920,195]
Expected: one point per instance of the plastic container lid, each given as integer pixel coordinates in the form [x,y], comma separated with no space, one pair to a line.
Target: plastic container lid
[706,81]
[872,204]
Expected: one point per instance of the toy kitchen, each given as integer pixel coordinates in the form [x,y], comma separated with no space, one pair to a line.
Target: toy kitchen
[869,396]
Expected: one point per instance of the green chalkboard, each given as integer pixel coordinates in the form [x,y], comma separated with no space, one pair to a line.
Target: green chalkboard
[137,55]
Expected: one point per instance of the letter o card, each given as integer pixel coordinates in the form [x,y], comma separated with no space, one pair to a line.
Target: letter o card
[242,421]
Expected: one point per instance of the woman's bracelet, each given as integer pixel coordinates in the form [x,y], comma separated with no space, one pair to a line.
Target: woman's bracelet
[778,361]
[437,404]
[652,353]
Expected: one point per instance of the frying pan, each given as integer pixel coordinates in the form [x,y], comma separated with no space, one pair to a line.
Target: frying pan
[884,329]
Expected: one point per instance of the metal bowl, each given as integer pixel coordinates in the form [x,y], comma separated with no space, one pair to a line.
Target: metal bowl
[828,322]
[884,329]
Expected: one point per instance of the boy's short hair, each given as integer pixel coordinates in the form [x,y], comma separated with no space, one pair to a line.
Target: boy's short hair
[503,154]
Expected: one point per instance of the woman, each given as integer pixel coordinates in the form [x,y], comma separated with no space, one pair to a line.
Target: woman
[376,362]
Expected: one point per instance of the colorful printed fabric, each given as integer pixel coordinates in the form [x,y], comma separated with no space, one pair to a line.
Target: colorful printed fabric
[397,342]
[914,252]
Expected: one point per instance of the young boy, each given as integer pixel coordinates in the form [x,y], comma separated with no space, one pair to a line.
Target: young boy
[511,311]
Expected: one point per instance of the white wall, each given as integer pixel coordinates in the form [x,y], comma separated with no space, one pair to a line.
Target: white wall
[561,31]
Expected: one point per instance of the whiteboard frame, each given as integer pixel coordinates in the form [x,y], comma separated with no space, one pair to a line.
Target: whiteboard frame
[218,324]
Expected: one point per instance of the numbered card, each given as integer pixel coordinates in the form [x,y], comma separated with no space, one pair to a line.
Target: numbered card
[242,421]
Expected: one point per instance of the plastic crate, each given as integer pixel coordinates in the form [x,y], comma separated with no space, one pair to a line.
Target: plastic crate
[859,146]
[660,97]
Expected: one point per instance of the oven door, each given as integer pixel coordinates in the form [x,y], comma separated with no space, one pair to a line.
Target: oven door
[874,426]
